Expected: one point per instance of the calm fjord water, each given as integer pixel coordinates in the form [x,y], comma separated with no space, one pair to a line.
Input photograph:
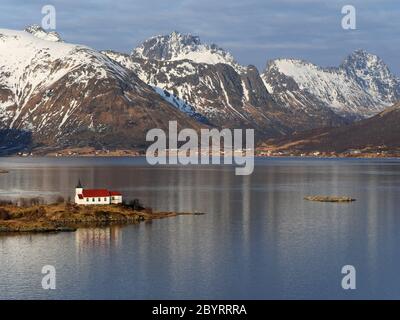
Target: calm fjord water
[258,240]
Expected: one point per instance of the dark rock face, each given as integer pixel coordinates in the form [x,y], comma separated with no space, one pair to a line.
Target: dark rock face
[13,141]
[258,95]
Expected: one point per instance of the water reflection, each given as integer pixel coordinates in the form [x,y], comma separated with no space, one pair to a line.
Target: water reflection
[259,238]
[103,239]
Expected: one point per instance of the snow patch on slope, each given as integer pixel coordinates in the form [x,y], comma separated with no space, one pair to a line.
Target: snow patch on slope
[180,104]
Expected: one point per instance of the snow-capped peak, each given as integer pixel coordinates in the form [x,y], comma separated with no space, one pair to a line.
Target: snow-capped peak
[178,46]
[372,74]
[361,87]
[40,33]
[361,60]
[29,65]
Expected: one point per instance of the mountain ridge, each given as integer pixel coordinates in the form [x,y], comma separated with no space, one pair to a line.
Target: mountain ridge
[68,95]
[71,95]
[328,97]
[178,46]
[342,89]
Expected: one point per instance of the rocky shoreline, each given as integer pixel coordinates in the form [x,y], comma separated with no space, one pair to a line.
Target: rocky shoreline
[66,217]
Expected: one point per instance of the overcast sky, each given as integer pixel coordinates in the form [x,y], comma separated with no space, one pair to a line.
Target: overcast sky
[253,30]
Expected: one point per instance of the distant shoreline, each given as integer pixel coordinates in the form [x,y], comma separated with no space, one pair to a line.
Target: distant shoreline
[338,156]
[259,152]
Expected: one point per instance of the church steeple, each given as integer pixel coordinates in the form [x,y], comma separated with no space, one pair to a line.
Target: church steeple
[79,186]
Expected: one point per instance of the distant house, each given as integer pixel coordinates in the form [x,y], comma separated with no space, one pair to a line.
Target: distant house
[96,196]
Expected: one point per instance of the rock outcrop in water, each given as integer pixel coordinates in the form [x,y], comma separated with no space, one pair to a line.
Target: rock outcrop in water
[329,199]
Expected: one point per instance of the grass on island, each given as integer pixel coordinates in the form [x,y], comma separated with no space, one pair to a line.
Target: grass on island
[38,217]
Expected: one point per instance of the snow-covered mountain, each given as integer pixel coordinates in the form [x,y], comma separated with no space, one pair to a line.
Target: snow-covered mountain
[65,94]
[55,94]
[373,75]
[360,88]
[290,95]
[208,80]
[217,92]
[177,46]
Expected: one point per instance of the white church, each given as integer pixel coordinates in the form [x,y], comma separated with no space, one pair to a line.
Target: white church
[96,196]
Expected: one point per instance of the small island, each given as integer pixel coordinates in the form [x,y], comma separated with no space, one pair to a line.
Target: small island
[3,171]
[90,208]
[329,198]
[59,217]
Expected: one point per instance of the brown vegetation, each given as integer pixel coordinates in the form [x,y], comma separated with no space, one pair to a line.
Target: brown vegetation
[68,216]
[370,136]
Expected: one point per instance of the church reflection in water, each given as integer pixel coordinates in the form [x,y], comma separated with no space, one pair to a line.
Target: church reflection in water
[98,238]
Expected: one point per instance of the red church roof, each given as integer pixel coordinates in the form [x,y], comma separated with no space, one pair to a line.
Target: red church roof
[94,193]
